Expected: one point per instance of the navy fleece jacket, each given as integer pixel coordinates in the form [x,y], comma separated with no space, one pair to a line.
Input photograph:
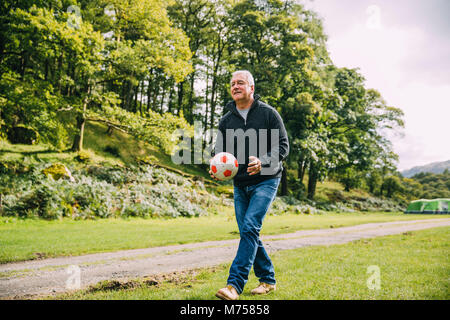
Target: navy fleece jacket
[262,135]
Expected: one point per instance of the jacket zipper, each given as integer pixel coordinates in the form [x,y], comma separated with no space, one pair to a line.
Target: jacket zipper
[245,120]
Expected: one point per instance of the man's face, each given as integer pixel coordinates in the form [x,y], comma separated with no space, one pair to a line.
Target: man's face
[240,88]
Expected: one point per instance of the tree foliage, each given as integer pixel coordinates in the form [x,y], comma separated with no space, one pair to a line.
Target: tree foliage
[57,62]
[429,185]
[150,67]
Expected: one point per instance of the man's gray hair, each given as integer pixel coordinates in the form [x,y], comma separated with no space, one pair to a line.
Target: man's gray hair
[247,73]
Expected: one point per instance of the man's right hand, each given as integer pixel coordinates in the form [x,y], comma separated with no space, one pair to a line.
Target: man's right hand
[213,176]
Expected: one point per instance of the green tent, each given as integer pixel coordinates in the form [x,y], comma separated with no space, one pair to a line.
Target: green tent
[429,206]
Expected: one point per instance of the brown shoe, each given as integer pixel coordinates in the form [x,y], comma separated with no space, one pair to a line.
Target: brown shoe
[264,288]
[227,293]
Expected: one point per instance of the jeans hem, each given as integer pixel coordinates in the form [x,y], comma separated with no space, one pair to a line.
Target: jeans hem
[271,282]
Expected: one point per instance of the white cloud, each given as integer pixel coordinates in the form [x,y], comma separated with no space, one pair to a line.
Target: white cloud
[427,119]
[401,59]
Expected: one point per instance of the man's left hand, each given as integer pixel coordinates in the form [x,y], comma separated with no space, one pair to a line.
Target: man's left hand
[254,166]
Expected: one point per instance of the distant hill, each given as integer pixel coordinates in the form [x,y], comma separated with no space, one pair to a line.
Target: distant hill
[434,167]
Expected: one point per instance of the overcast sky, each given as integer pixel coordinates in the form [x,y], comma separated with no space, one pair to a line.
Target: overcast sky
[402,48]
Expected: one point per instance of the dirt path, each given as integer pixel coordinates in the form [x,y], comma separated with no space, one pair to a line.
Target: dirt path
[51,276]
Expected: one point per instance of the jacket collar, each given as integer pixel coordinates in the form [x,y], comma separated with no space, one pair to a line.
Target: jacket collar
[232,104]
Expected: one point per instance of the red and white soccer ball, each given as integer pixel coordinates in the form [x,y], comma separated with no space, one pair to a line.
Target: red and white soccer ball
[224,166]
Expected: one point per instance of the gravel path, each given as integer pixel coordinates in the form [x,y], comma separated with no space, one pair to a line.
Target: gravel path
[57,275]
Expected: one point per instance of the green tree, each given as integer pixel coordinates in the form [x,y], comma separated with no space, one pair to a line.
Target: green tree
[374,181]
[143,49]
[360,115]
[195,18]
[412,189]
[391,185]
[58,62]
[50,72]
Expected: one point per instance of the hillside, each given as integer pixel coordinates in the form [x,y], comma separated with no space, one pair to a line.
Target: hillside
[117,175]
[434,167]
[114,149]
[433,185]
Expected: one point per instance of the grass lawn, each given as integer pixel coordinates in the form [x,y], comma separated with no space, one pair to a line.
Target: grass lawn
[26,239]
[414,265]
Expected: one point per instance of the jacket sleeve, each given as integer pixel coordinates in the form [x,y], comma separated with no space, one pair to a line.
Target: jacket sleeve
[279,148]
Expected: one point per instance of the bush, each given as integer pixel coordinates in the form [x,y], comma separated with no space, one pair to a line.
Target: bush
[84,156]
[58,171]
[41,203]
[23,135]
[102,192]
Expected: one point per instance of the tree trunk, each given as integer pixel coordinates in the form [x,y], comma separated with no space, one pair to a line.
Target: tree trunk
[180,97]
[213,100]
[301,168]
[169,104]
[81,121]
[136,91]
[156,89]
[127,94]
[205,118]
[163,96]
[347,184]
[73,76]
[312,181]
[148,94]
[60,68]
[220,48]
[284,184]
[78,139]
[141,103]
[190,111]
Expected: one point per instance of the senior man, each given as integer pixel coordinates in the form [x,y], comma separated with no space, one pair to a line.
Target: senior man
[254,132]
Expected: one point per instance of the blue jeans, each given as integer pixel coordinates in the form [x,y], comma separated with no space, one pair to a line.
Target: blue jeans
[251,205]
